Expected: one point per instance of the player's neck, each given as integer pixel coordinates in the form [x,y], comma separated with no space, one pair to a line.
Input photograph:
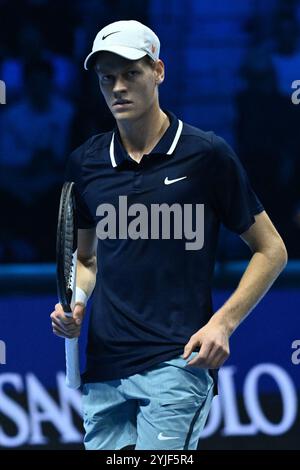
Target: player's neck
[141,136]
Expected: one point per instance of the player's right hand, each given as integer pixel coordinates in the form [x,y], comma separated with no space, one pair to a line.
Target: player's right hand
[67,327]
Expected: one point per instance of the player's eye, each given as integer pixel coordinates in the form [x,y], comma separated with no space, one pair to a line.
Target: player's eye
[132,73]
[106,79]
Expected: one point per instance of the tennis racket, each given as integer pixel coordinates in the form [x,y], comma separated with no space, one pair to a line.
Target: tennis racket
[66,261]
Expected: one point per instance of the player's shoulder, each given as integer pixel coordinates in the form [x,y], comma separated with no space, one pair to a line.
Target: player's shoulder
[81,154]
[94,143]
[208,140]
[192,131]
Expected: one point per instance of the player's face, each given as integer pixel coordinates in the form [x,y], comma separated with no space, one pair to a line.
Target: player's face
[129,87]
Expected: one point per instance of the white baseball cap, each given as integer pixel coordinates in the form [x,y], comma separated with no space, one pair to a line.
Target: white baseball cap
[130,39]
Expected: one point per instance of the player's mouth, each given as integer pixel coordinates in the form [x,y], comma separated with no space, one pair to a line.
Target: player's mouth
[121,104]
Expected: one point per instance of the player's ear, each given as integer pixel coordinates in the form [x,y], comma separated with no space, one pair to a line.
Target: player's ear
[159,70]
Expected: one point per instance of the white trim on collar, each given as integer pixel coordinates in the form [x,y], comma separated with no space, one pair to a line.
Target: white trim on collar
[112,151]
[169,152]
[176,138]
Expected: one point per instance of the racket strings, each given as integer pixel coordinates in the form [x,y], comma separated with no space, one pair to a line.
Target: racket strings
[65,244]
[68,246]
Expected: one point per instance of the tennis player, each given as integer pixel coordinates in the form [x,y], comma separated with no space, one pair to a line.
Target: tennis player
[151,195]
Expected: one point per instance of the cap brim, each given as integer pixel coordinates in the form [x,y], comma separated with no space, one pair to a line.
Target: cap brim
[126,52]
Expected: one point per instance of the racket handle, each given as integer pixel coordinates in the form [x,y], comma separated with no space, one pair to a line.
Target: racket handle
[73,379]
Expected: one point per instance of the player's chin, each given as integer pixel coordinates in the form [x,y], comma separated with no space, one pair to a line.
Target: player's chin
[125,114]
[122,116]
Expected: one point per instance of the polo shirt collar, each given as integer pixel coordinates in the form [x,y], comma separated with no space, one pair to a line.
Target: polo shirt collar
[166,145]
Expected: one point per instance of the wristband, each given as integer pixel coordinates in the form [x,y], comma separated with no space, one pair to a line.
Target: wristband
[80,296]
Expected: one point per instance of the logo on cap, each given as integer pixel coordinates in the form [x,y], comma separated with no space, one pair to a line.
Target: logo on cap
[114,32]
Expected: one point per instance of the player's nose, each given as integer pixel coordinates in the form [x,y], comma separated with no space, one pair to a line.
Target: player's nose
[119,86]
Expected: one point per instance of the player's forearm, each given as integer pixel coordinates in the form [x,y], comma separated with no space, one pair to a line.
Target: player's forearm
[262,270]
[86,274]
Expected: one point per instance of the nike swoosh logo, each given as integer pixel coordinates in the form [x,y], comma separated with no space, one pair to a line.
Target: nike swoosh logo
[167,181]
[104,37]
[165,438]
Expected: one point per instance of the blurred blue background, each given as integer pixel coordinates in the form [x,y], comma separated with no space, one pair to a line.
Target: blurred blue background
[229,68]
[230,65]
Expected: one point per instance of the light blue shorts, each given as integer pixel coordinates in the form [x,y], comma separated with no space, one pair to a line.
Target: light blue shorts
[164,407]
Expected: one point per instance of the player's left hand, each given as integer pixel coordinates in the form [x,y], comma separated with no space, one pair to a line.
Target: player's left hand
[213,341]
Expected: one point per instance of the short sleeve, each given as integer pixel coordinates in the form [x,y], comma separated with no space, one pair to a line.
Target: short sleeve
[73,172]
[233,198]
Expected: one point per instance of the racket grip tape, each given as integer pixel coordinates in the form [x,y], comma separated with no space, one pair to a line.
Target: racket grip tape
[73,379]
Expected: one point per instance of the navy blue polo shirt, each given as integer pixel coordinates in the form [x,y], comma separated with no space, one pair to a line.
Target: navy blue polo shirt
[153,290]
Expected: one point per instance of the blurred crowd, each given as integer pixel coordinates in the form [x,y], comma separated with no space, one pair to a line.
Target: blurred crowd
[53,106]
[268,121]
